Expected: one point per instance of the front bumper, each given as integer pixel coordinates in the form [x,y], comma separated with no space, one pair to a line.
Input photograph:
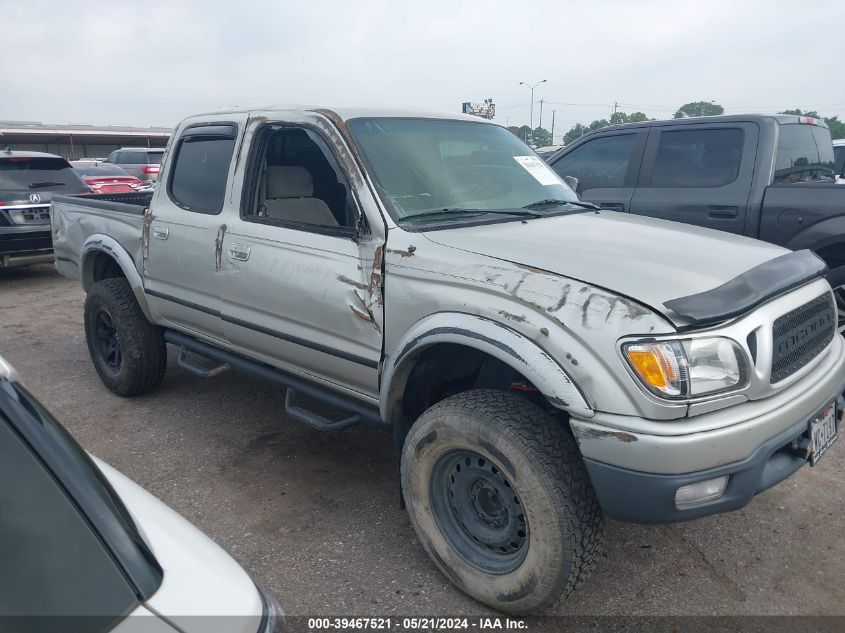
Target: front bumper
[636,475]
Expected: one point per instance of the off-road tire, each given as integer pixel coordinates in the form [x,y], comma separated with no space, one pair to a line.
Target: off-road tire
[540,461]
[142,350]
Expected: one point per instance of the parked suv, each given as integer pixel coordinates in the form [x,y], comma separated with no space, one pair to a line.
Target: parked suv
[27,182]
[141,162]
[540,362]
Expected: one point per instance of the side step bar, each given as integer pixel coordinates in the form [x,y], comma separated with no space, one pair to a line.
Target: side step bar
[357,411]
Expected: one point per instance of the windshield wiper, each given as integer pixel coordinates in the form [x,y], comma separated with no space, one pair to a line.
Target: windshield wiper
[37,185]
[555,202]
[427,215]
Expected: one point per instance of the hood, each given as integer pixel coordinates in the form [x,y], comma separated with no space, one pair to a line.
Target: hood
[648,260]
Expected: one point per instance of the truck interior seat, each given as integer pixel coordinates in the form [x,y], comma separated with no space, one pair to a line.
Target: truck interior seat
[289,191]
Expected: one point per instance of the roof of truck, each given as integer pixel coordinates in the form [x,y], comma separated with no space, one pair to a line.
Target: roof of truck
[730,118]
[346,113]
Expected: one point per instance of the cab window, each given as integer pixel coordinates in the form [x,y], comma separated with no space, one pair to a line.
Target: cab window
[600,163]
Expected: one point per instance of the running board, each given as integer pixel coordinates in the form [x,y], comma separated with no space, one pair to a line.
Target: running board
[357,412]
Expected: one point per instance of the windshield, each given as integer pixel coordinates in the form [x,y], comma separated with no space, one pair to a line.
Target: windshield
[805,154]
[424,166]
[24,173]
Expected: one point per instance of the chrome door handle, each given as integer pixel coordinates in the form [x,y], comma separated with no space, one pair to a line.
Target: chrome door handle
[239,252]
[160,232]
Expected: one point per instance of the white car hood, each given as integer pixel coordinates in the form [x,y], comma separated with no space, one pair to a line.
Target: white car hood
[200,578]
[648,260]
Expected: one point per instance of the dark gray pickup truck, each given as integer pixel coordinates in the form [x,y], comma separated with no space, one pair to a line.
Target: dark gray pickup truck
[769,177]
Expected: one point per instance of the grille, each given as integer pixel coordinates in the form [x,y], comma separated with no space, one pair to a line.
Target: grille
[799,336]
[30,215]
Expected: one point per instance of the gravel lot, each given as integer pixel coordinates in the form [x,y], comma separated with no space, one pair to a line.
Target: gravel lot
[315,517]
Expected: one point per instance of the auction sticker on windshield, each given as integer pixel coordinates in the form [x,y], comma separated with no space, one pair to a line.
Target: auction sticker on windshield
[535,166]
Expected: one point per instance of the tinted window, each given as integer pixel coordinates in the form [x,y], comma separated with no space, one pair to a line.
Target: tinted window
[39,173]
[839,157]
[154,158]
[602,162]
[698,158]
[198,179]
[805,153]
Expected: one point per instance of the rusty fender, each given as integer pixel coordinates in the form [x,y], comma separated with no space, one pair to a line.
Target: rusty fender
[493,338]
[100,243]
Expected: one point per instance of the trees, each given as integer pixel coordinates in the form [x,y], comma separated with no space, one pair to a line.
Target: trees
[699,108]
[621,117]
[579,130]
[837,127]
[575,132]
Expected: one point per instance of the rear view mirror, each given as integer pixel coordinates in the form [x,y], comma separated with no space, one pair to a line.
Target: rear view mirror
[572,181]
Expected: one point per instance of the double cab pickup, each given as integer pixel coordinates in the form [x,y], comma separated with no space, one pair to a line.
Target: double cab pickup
[540,362]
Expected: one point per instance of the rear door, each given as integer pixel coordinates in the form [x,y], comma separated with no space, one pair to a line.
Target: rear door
[606,167]
[185,235]
[698,174]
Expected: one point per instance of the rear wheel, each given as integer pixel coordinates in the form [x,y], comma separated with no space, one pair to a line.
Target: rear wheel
[128,352]
[500,499]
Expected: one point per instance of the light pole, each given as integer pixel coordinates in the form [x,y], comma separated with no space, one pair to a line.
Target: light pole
[531,88]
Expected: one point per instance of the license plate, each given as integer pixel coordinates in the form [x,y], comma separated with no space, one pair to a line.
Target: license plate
[823,432]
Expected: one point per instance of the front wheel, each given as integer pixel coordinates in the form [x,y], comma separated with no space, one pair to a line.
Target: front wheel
[500,498]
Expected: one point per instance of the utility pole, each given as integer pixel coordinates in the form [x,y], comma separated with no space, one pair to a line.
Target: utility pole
[553,126]
[615,106]
[531,88]
[540,124]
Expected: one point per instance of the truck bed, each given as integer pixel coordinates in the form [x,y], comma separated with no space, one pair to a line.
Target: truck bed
[78,221]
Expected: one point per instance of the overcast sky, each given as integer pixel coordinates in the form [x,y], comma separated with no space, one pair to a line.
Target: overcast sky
[153,62]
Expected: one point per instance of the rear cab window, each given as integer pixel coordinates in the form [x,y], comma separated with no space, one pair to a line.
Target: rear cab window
[201,159]
[804,154]
[697,158]
[839,159]
[32,174]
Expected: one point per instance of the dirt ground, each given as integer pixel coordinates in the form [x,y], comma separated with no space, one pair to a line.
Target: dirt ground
[315,517]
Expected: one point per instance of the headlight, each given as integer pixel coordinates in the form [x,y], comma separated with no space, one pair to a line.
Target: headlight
[687,368]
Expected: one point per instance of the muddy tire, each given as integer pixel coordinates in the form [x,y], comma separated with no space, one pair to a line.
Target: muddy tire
[500,499]
[128,352]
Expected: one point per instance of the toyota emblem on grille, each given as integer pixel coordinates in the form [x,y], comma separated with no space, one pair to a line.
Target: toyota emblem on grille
[34,198]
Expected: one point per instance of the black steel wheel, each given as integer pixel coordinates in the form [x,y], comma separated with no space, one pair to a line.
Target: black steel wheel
[107,340]
[478,511]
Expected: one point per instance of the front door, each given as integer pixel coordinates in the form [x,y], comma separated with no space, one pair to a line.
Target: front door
[301,269]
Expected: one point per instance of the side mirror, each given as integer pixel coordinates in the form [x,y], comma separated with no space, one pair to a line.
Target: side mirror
[572,181]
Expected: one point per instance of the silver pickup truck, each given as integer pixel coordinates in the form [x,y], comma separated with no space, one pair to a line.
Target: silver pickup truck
[540,362]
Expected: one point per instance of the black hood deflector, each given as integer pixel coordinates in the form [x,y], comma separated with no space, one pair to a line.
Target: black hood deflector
[750,289]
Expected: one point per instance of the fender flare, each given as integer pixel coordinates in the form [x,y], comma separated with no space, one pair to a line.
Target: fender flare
[820,235]
[99,243]
[491,337]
